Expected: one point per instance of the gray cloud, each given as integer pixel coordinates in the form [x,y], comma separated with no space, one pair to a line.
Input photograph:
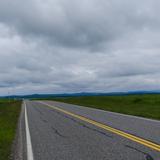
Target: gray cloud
[57,46]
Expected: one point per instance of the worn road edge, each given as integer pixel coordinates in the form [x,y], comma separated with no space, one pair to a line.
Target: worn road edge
[28,137]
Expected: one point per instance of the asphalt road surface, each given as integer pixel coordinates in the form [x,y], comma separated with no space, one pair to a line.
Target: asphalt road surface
[58,131]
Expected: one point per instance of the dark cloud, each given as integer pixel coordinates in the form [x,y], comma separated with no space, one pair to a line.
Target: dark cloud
[89,45]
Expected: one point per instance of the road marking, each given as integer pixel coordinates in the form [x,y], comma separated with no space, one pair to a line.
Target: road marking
[114,113]
[28,137]
[108,128]
[127,115]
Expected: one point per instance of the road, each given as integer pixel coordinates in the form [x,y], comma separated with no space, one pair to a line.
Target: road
[59,131]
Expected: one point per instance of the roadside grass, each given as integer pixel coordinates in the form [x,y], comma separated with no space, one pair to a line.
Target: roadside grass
[9,114]
[138,105]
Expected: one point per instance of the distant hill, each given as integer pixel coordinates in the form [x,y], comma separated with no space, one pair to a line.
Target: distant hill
[81,94]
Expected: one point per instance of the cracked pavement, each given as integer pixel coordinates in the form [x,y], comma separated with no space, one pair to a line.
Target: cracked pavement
[57,136]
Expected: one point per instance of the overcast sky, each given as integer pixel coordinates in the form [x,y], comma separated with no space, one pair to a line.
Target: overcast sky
[56,46]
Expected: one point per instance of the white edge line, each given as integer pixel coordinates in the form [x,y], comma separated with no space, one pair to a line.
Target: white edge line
[136,117]
[126,115]
[114,113]
[28,137]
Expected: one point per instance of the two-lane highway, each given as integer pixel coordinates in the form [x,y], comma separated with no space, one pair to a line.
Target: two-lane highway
[59,131]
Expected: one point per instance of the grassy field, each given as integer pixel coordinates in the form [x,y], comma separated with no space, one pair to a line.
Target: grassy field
[9,113]
[139,105]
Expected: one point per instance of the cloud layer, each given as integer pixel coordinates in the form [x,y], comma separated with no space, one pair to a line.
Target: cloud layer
[56,46]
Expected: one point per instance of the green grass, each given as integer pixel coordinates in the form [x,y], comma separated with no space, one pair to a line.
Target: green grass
[139,105]
[9,113]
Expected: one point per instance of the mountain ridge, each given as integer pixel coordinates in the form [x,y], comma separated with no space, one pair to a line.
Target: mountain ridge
[29,96]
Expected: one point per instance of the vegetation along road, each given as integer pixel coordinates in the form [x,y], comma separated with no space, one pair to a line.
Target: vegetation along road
[9,114]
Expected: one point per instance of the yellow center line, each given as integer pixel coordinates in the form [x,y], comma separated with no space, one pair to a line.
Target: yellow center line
[108,128]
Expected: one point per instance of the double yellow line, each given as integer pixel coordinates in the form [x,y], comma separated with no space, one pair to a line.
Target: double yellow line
[108,128]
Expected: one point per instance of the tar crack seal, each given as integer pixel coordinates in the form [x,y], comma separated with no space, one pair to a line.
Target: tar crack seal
[82,124]
[147,156]
[58,133]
